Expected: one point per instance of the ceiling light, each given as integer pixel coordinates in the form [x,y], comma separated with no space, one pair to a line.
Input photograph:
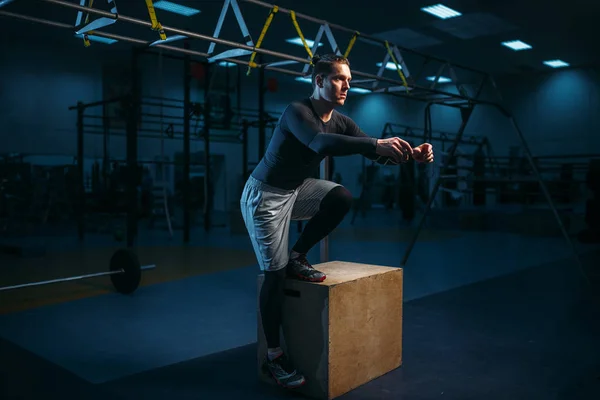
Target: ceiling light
[442,79]
[175,8]
[298,41]
[304,79]
[5,2]
[441,11]
[359,90]
[516,45]
[389,65]
[556,63]
[227,64]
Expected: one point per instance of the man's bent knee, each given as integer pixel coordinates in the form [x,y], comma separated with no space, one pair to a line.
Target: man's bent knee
[338,199]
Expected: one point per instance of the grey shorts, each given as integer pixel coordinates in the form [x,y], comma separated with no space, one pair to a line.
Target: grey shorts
[267,212]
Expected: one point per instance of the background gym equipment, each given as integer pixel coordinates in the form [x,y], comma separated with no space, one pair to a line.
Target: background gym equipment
[591,233]
[125,273]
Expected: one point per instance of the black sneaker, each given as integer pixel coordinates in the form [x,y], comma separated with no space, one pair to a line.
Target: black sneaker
[282,371]
[300,268]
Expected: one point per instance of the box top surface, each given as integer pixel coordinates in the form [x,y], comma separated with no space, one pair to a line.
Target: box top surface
[343,271]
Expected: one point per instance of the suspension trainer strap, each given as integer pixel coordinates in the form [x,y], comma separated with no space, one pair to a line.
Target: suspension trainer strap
[86,39]
[156,26]
[265,28]
[351,44]
[297,26]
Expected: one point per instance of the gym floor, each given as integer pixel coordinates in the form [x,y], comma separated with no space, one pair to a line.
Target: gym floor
[487,315]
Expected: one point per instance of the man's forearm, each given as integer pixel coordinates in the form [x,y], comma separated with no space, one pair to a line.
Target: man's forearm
[331,144]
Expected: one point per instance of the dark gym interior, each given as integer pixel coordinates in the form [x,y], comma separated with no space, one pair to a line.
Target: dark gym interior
[129,128]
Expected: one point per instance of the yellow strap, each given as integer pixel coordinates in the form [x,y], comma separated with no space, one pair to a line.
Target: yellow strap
[252,64]
[156,26]
[387,45]
[86,40]
[351,44]
[295,22]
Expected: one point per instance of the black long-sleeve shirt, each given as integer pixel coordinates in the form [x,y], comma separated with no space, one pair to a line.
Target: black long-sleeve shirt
[301,140]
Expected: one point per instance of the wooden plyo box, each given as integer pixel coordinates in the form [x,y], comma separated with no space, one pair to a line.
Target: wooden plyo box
[343,332]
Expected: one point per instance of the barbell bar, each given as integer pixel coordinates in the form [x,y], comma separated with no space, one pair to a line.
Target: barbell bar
[125,273]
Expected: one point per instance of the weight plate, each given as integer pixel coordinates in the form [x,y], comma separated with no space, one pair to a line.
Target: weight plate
[129,280]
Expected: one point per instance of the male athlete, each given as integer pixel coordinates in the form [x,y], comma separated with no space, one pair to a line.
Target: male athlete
[282,188]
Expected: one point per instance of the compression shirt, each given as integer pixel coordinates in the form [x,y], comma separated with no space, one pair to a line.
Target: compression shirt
[301,140]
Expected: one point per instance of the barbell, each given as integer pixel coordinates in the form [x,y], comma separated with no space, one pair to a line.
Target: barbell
[124,270]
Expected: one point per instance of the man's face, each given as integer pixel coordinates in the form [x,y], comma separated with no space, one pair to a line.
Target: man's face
[334,87]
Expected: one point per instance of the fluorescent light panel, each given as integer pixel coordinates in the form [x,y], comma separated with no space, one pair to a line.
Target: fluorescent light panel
[175,8]
[516,45]
[99,39]
[304,79]
[298,42]
[227,64]
[442,79]
[556,63]
[390,65]
[359,90]
[441,11]
[5,2]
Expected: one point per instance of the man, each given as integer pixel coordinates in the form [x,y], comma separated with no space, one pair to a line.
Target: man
[281,189]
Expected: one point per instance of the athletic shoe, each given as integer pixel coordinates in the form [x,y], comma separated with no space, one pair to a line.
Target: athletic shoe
[300,268]
[282,371]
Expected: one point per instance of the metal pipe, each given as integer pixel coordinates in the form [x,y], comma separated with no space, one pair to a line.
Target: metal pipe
[187,78]
[446,135]
[34,19]
[96,103]
[173,106]
[235,139]
[208,187]
[80,175]
[132,152]
[262,133]
[105,145]
[158,97]
[149,130]
[73,278]
[238,94]
[176,163]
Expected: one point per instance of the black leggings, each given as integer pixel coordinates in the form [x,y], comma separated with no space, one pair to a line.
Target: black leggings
[332,210]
